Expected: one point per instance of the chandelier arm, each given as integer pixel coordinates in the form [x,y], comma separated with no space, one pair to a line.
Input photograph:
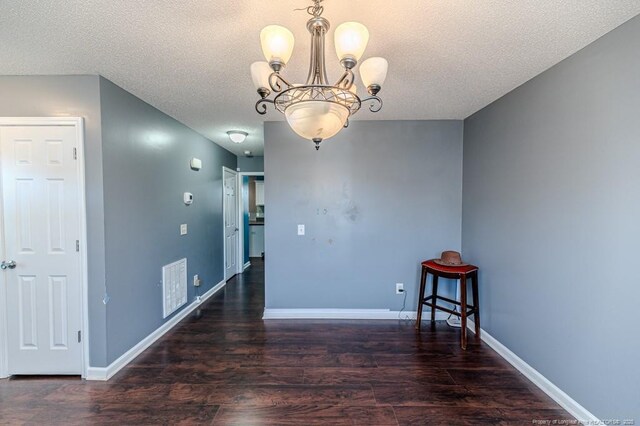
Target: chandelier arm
[346,81]
[274,81]
[261,105]
[373,107]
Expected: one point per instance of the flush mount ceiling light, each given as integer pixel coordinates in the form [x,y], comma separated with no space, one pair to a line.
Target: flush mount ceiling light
[237,136]
[317,110]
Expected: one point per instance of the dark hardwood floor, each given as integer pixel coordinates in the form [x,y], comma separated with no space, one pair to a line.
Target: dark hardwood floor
[226,366]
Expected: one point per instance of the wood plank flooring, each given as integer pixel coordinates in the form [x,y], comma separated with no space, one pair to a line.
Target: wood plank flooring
[226,366]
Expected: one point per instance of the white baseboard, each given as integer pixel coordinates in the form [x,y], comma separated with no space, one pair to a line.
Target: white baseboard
[364,314]
[558,395]
[246,265]
[105,373]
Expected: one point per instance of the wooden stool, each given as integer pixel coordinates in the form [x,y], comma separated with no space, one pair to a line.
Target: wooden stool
[457,273]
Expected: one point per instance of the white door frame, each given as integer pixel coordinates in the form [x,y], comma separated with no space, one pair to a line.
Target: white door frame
[241,265]
[224,207]
[78,123]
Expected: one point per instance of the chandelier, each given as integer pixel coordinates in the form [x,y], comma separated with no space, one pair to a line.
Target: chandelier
[317,110]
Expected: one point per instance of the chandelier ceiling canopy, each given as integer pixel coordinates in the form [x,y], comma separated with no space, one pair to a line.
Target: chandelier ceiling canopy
[317,110]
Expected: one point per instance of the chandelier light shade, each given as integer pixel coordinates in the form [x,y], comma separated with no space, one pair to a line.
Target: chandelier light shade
[351,40]
[260,72]
[317,110]
[373,72]
[277,44]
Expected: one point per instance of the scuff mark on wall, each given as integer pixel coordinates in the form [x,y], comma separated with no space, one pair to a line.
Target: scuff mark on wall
[352,213]
[350,210]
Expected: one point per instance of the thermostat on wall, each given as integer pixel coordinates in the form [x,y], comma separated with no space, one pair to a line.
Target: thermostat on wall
[196,163]
[188,198]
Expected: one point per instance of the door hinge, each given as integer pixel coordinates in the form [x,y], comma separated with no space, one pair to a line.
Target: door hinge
[78,245]
[75,153]
[79,336]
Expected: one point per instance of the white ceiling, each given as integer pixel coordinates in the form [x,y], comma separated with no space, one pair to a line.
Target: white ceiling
[448,58]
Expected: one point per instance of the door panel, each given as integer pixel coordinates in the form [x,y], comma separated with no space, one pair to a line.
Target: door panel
[27,312]
[58,322]
[41,225]
[55,216]
[24,201]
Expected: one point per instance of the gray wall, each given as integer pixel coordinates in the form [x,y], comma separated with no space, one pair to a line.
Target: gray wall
[146,170]
[552,216]
[253,164]
[78,96]
[376,200]
[137,167]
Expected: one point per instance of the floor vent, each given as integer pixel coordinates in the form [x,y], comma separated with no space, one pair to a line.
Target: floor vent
[174,286]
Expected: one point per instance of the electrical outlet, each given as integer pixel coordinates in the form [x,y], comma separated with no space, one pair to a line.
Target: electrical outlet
[300,229]
[399,288]
[196,281]
[183,229]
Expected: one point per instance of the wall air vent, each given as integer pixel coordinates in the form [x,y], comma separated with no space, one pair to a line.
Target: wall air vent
[174,286]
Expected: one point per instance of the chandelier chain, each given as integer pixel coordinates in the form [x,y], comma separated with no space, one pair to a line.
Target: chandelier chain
[315,10]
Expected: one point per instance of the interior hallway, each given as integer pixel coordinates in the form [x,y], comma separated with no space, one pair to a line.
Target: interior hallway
[227,366]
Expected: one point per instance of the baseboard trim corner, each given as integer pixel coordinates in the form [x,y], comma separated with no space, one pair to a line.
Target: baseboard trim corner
[583,415]
[358,314]
[105,373]
[246,265]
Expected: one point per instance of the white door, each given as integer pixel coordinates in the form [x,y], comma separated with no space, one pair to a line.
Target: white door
[230,207]
[41,265]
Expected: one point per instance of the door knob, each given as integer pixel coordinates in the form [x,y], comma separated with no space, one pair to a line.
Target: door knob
[8,265]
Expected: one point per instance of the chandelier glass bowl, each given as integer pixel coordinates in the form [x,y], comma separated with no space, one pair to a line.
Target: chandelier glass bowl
[317,110]
[316,119]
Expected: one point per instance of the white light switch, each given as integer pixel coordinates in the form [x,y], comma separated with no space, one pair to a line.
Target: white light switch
[183,229]
[300,229]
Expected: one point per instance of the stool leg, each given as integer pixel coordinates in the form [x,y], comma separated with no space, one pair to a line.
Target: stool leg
[423,280]
[463,312]
[476,303]
[434,293]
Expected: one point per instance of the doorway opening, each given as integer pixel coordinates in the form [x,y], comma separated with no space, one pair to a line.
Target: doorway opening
[252,218]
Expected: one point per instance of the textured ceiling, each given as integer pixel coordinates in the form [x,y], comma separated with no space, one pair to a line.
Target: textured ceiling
[190,58]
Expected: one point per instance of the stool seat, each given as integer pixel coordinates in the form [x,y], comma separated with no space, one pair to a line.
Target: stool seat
[462,273]
[463,269]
